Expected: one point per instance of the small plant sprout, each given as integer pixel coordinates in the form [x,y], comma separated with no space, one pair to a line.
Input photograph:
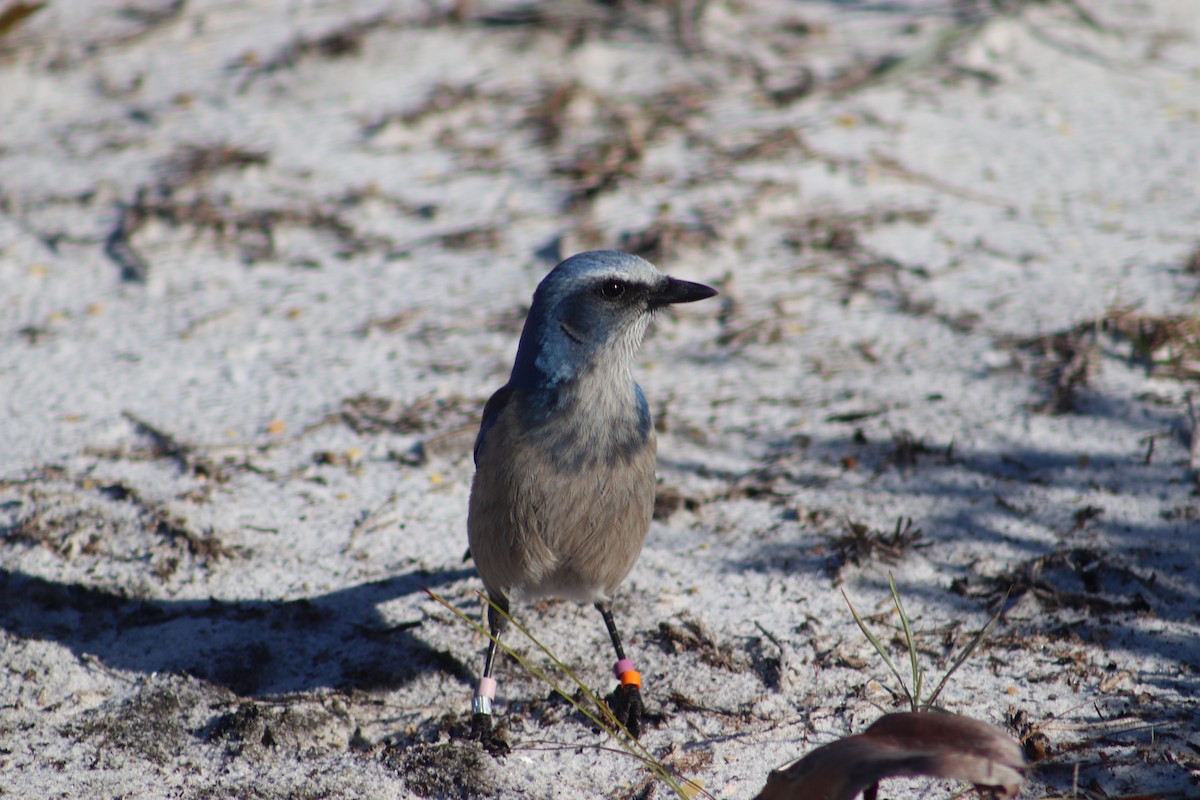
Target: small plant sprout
[914,694]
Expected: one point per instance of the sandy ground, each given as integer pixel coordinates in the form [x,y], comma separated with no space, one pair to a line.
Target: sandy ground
[261,262]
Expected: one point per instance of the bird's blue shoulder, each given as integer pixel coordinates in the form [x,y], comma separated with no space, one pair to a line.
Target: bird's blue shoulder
[643,411]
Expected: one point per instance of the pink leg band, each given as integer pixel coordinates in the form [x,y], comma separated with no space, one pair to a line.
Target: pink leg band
[621,667]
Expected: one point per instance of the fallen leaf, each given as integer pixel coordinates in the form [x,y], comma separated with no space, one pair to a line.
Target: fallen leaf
[909,744]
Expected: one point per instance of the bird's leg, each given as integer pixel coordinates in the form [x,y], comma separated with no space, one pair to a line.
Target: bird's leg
[485,694]
[626,701]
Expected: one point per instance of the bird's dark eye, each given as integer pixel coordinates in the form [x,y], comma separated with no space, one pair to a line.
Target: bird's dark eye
[612,289]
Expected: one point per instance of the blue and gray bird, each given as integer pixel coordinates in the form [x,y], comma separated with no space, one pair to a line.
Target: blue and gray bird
[564,482]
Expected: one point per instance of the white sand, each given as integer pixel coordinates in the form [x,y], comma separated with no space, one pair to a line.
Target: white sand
[882,247]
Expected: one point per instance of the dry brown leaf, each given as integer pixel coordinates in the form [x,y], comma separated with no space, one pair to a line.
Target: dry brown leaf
[904,745]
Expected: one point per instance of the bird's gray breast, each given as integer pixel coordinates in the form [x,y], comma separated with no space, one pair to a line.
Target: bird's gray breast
[562,509]
[595,422]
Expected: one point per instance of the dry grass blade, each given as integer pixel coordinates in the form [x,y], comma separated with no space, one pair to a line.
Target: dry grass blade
[685,789]
[904,745]
[1169,344]
[17,13]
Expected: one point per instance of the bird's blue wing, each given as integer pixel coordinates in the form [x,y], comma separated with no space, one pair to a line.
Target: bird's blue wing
[491,412]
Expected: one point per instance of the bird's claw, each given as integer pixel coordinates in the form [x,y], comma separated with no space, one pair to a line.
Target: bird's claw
[626,705]
[492,741]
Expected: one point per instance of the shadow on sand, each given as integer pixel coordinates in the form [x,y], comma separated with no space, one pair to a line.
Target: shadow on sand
[255,648]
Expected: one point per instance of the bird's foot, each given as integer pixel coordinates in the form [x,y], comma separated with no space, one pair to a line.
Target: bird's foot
[492,740]
[626,705]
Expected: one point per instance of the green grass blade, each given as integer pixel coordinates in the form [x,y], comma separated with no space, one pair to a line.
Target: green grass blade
[917,673]
[878,645]
[967,651]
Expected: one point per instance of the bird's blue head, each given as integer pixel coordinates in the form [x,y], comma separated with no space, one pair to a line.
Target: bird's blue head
[591,312]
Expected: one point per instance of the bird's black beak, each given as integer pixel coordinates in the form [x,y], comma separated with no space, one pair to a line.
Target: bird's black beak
[677,291]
